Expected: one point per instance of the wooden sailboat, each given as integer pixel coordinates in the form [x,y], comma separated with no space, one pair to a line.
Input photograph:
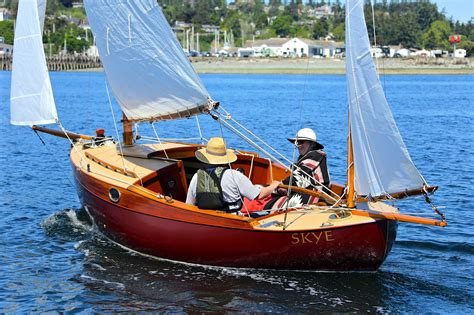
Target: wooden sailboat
[135,193]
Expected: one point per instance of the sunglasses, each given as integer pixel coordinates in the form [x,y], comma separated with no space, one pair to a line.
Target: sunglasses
[300,143]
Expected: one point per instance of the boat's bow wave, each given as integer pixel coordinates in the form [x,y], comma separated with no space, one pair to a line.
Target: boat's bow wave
[68,223]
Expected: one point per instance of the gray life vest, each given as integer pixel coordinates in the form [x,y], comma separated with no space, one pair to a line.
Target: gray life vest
[209,190]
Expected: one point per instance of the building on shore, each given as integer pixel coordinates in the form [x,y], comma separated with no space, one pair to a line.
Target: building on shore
[264,47]
[294,47]
[310,48]
[6,49]
[5,14]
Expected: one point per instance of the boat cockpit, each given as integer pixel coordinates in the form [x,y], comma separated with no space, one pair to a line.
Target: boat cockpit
[167,168]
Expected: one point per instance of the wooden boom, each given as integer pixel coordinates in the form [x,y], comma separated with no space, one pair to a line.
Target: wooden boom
[315,193]
[402,194]
[398,217]
[60,133]
[374,214]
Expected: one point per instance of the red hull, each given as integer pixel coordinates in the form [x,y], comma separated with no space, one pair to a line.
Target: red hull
[357,247]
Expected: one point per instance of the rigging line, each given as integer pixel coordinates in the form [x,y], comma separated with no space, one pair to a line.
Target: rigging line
[168,139]
[115,125]
[302,101]
[249,141]
[232,174]
[272,149]
[257,137]
[256,146]
[233,129]
[304,212]
[51,154]
[72,143]
[200,130]
[245,138]
[375,37]
[159,141]
[288,191]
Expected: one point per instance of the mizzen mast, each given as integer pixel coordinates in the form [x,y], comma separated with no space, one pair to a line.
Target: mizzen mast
[127,130]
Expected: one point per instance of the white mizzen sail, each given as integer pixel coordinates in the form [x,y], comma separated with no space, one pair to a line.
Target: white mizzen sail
[31,100]
[145,65]
[381,161]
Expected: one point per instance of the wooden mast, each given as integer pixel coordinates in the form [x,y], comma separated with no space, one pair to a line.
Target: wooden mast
[127,130]
[350,169]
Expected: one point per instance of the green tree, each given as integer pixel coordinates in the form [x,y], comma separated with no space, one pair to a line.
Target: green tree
[339,32]
[437,35]
[467,45]
[320,28]
[6,31]
[282,25]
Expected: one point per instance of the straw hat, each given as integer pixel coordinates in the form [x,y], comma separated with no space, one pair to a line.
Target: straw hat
[215,153]
[307,134]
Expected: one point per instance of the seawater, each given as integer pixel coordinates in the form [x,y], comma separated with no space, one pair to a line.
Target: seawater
[53,260]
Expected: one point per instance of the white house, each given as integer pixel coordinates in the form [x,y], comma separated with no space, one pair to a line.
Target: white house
[266,47]
[423,53]
[460,53]
[5,49]
[377,52]
[402,53]
[309,48]
[245,52]
[4,14]
[92,51]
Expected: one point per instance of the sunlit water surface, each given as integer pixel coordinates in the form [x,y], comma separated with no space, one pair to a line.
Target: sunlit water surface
[52,259]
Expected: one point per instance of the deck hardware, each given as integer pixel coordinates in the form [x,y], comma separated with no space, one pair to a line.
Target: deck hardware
[268,224]
[169,199]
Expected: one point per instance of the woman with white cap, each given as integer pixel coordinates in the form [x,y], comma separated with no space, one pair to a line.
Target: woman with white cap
[219,187]
[310,172]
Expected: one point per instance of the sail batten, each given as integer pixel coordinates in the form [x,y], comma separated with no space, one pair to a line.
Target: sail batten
[150,76]
[31,99]
[382,163]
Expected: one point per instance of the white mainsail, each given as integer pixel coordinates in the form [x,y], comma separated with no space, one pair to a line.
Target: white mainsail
[31,99]
[381,161]
[146,67]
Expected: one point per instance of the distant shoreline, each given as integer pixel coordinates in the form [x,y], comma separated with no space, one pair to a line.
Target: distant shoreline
[327,66]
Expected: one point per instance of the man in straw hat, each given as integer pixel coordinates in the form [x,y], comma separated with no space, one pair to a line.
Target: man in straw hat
[219,187]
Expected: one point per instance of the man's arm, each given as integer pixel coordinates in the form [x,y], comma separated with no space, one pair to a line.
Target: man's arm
[265,191]
[191,196]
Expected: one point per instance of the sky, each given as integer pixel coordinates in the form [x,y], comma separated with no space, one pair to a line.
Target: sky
[462,10]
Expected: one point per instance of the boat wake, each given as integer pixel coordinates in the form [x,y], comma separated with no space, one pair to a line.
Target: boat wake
[440,246]
[68,223]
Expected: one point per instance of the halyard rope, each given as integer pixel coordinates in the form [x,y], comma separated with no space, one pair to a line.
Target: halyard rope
[158,138]
[115,125]
[258,147]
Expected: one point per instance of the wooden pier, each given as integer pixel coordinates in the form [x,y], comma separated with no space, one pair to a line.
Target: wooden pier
[59,63]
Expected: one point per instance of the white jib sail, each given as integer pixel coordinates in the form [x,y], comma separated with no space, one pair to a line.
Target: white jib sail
[381,161]
[31,99]
[145,65]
